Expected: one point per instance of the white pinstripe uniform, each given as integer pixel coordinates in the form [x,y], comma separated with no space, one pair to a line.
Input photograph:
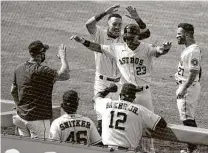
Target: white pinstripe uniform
[135,67]
[190,60]
[105,65]
[74,128]
[123,122]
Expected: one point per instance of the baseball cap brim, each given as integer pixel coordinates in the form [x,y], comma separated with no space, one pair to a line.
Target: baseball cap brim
[38,47]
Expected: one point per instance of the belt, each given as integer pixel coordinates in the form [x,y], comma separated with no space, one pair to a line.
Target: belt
[109,79]
[142,88]
[112,148]
[181,82]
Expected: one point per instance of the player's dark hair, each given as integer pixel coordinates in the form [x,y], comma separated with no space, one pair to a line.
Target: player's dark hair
[115,15]
[189,28]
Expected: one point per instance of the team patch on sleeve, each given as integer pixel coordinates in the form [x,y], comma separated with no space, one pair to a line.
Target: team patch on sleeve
[194,62]
[50,135]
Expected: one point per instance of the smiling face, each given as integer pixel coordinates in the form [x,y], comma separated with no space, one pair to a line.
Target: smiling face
[114,26]
[181,36]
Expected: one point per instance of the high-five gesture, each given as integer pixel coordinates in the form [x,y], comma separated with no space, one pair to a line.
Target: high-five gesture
[133,13]
[167,45]
[112,9]
[78,39]
[62,51]
[164,49]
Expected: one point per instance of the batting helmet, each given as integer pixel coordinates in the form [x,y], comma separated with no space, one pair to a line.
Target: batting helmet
[131,31]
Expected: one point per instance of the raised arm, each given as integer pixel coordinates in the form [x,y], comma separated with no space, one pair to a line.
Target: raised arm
[90,45]
[91,23]
[144,32]
[163,50]
[63,72]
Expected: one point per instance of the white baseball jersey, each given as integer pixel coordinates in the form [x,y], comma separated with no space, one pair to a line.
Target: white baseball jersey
[123,122]
[105,65]
[135,66]
[74,128]
[190,60]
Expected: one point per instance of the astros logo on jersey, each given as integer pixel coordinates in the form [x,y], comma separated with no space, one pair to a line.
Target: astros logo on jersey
[194,62]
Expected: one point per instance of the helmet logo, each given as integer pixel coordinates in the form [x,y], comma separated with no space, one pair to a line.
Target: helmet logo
[128,30]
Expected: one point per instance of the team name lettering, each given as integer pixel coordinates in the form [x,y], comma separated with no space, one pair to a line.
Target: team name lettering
[131,60]
[74,123]
[123,106]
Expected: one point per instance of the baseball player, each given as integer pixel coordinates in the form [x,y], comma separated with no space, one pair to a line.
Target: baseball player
[32,91]
[106,69]
[123,121]
[188,77]
[72,127]
[134,60]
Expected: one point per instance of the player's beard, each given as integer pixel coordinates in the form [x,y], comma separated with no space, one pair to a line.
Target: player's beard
[181,40]
[113,33]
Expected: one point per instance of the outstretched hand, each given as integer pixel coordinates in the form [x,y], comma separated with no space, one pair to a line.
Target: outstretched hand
[78,39]
[133,13]
[112,9]
[61,52]
[167,45]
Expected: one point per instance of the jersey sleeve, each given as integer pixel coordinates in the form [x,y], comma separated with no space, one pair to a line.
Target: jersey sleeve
[97,35]
[108,50]
[151,50]
[194,60]
[94,135]
[100,104]
[54,131]
[150,119]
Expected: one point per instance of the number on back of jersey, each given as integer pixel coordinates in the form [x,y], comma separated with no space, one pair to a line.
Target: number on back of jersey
[79,137]
[117,119]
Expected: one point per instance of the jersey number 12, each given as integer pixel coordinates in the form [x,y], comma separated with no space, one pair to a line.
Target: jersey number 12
[114,122]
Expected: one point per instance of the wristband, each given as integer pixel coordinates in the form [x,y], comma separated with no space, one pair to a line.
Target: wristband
[86,43]
[100,16]
[166,50]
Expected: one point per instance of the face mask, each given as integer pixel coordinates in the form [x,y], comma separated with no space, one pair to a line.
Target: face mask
[42,57]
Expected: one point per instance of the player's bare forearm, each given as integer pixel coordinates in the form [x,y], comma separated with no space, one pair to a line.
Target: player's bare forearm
[191,78]
[112,88]
[90,45]
[63,72]
[91,23]
[144,34]
[163,50]
[141,24]
[95,47]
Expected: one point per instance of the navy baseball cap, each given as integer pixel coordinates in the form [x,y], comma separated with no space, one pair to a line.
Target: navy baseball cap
[129,89]
[70,98]
[37,47]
